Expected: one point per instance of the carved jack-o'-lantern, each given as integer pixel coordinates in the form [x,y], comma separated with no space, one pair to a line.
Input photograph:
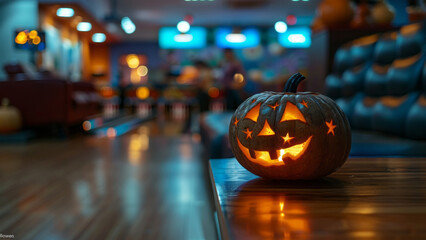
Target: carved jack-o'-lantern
[290,135]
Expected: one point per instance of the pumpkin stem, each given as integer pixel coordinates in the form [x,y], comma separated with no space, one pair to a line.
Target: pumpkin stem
[293,82]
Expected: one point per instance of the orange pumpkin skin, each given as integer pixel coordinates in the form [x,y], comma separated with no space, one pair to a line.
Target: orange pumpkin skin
[290,135]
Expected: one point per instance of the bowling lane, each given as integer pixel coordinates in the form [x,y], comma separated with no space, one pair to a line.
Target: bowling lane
[148,184]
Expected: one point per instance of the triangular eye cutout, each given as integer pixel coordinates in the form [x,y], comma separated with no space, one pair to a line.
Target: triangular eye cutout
[253,114]
[291,112]
[266,130]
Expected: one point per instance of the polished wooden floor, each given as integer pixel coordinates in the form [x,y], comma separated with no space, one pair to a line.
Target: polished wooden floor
[148,184]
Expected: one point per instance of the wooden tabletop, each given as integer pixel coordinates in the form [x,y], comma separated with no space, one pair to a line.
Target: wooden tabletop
[368,198]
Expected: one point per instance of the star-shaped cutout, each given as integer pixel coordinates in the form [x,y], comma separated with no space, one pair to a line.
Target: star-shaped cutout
[248,133]
[330,126]
[287,138]
[274,106]
[236,121]
[304,103]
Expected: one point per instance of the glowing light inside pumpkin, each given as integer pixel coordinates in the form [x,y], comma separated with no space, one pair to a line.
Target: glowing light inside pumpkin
[253,114]
[295,151]
[236,121]
[274,106]
[263,157]
[330,126]
[287,138]
[304,103]
[291,112]
[248,133]
[266,130]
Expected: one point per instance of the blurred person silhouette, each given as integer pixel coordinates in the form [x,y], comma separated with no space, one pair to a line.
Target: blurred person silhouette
[204,83]
[230,67]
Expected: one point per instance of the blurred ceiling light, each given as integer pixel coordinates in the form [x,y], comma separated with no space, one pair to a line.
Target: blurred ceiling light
[280,27]
[127,25]
[65,12]
[98,37]
[183,38]
[236,38]
[296,38]
[84,26]
[183,26]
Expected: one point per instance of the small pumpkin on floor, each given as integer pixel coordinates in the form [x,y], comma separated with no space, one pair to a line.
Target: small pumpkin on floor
[290,135]
[10,118]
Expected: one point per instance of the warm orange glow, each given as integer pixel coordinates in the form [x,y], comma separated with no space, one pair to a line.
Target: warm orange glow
[238,78]
[253,114]
[291,112]
[111,132]
[188,75]
[248,133]
[304,103]
[295,151]
[331,127]
[87,126]
[422,101]
[36,40]
[263,157]
[32,34]
[107,92]
[266,130]
[213,92]
[406,62]
[134,76]
[236,121]
[21,38]
[287,138]
[274,106]
[142,71]
[390,101]
[132,60]
[142,92]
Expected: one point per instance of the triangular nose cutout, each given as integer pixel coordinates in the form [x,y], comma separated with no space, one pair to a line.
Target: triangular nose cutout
[266,130]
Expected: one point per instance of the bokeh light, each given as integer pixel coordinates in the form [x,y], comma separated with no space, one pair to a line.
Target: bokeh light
[291,19]
[142,93]
[142,71]
[132,60]
[87,126]
[183,26]
[213,92]
[36,40]
[32,34]
[134,76]
[280,27]
[238,78]
[21,38]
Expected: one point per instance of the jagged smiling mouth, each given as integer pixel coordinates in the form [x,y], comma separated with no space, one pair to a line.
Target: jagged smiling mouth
[263,157]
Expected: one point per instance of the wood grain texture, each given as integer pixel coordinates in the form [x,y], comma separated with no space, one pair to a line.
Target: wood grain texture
[149,184]
[368,198]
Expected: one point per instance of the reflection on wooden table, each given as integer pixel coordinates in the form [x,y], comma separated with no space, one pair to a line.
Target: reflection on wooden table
[368,198]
